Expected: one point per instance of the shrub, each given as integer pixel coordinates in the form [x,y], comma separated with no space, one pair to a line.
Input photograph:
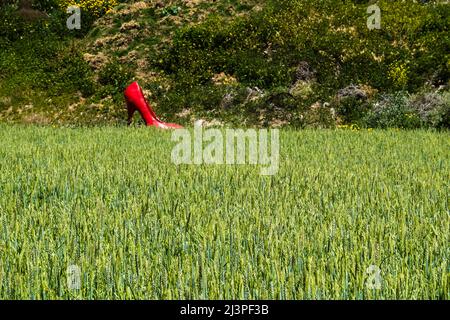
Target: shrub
[201,51]
[115,77]
[398,74]
[393,111]
[433,108]
[95,7]
[13,27]
[47,5]
[76,73]
[351,109]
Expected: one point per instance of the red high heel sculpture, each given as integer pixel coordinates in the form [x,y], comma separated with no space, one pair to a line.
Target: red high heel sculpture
[136,102]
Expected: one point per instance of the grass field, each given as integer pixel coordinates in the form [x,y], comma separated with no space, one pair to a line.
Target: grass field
[110,201]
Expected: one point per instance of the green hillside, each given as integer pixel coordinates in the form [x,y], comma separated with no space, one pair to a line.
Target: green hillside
[253,63]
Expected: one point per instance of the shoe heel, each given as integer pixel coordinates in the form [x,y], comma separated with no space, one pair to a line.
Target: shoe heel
[131,110]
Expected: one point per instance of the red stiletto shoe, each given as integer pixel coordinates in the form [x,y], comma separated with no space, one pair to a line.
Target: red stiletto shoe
[136,102]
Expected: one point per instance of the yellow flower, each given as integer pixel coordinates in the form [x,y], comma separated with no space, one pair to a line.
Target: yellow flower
[96,7]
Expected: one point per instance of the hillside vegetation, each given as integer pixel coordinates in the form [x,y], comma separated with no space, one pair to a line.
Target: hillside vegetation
[112,202]
[254,63]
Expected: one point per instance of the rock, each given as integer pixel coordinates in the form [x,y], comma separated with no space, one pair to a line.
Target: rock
[227,101]
[353,91]
[430,106]
[254,94]
[304,72]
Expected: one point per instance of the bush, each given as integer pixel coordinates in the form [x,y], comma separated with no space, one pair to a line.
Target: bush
[47,65]
[94,7]
[433,108]
[74,73]
[398,74]
[393,111]
[115,77]
[351,109]
[212,47]
[264,48]
[13,27]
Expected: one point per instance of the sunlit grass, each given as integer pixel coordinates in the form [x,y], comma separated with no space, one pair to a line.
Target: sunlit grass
[110,201]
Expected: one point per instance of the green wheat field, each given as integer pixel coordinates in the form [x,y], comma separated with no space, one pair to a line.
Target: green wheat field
[110,201]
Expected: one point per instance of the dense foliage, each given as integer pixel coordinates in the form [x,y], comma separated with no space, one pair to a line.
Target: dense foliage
[264,49]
